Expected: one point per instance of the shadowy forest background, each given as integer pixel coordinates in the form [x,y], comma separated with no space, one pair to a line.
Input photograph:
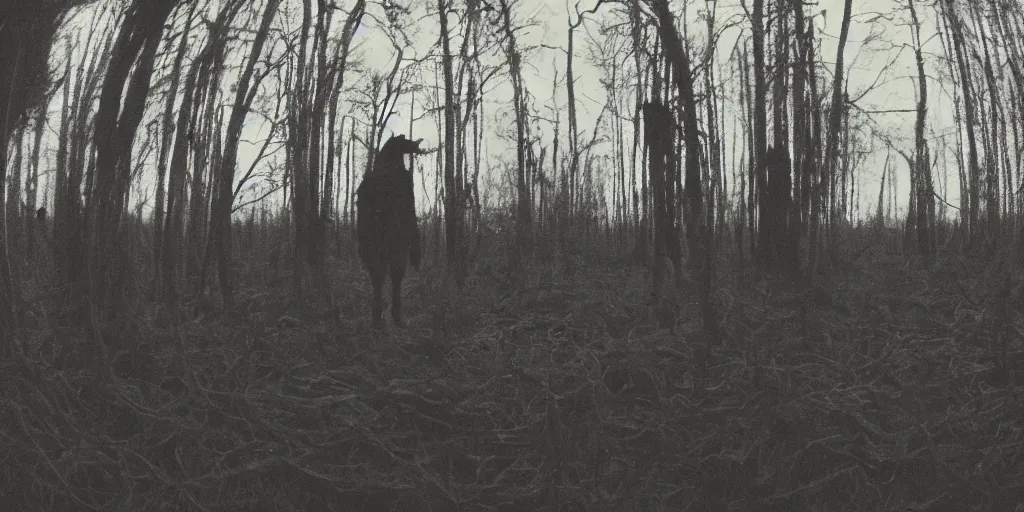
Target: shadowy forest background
[736,283]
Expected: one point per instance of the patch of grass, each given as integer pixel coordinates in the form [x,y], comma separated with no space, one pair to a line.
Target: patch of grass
[881,388]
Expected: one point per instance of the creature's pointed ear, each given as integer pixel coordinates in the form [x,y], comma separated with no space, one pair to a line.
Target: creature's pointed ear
[418,141]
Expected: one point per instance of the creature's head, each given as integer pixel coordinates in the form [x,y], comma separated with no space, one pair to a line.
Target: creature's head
[399,145]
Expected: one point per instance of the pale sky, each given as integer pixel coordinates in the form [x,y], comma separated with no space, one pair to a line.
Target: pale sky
[873,44]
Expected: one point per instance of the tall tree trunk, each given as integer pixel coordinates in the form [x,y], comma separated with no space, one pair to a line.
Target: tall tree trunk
[117,119]
[298,142]
[207,119]
[812,157]
[523,206]
[32,185]
[992,195]
[26,38]
[166,140]
[696,235]
[801,135]
[925,201]
[973,169]
[760,129]
[453,200]
[178,249]
[245,93]
[835,117]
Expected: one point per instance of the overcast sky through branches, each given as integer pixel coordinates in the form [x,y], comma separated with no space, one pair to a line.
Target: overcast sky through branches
[878,57]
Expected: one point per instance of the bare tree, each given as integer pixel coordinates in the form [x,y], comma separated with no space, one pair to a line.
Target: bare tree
[836,109]
[760,130]
[245,91]
[120,112]
[696,233]
[26,36]
[177,247]
[957,41]
[454,218]
[514,57]
[922,167]
[167,137]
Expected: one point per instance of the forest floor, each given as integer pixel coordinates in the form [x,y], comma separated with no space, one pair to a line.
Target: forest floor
[879,387]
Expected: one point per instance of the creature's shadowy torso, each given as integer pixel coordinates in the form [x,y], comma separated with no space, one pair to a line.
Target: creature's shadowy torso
[386,222]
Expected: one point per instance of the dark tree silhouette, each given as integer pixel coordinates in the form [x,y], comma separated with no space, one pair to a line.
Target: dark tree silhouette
[781,248]
[27,33]
[386,223]
[121,107]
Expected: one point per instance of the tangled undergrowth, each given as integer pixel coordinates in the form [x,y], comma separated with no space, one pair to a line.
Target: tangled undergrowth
[880,388]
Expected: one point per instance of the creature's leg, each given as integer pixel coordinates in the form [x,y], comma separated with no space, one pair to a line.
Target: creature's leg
[397,273]
[412,224]
[414,246]
[377,306]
